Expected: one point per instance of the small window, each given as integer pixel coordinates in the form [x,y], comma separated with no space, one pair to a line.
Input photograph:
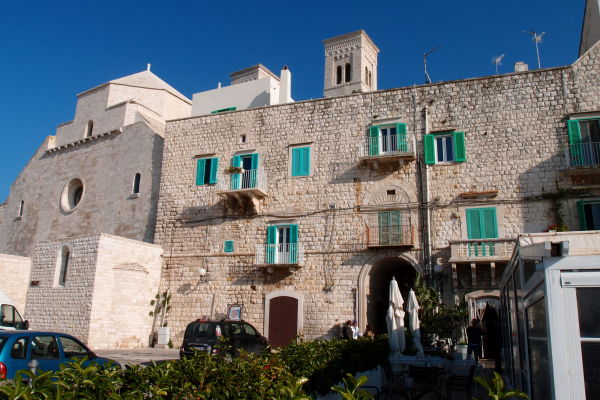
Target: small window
[301,161]
[367,76]
[89,129]
[72,194]
[370,84]
[21,209]
[348,71]
[206,171]
[445,148]
[136,183]
[228,246]
[64,257]
[338,75]
[243,138]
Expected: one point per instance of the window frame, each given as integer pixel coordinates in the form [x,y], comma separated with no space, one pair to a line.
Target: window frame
[579,155]
[459,152]
[581,212]
[401,146]
[201,163]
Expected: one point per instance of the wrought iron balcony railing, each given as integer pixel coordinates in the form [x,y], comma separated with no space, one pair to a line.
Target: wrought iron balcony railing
[253,181]
[283,254]
[387,146]
[583,155]
[389,235]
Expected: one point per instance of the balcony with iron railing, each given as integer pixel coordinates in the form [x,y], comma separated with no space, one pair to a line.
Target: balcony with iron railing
[473,250]
[247,183]
[389,235]
[280,255]
[582,157]
[386,148]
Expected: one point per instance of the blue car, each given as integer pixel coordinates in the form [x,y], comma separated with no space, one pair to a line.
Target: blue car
[50,349]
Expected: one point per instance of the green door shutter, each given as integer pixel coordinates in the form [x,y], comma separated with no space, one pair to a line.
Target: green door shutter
[429,144]
[214,166]
[474,224]
[293,244]
[575,146]
[200,165]
[374,141]
[395,228]
[460,154]
[271,244]
[581,214]
[236,179]
[254,170]
[490,225]
[481,224]
[402,143]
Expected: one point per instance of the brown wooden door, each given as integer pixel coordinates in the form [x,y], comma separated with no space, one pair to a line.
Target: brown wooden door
[283,320]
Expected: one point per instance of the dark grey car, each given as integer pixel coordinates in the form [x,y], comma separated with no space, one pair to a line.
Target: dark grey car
[203,335]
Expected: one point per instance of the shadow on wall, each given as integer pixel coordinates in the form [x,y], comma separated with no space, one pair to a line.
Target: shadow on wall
[334,332]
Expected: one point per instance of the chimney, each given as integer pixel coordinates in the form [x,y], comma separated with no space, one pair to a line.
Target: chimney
[285,86]
[520,66]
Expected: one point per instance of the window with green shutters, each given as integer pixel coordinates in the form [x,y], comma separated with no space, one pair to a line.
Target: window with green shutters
[206,171]
[584,142]
[444,147]
[228,246]
[390,228]
[589,215]
[481,224]
[248,178]
[282,244]
[388,139]
[301,161]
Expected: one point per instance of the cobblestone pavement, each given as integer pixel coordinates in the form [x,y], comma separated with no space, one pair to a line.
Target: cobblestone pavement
[139,356]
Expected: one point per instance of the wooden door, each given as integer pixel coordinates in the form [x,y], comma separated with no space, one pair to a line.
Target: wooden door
[283,320]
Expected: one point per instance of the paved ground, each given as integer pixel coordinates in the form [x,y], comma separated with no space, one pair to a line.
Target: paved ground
[139,356]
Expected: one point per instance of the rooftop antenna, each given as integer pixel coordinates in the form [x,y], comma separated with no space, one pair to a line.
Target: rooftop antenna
[497,61]
[427,77]
[537,38]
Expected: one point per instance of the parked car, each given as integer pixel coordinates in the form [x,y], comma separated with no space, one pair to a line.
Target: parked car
[10,318]
[50,349]
[203,335]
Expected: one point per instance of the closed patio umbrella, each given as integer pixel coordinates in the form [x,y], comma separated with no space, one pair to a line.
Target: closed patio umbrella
[413,321]
[395,321]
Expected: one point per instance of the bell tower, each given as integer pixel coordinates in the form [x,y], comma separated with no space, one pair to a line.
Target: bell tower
[350,64]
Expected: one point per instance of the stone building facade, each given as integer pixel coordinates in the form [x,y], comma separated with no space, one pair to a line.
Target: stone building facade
[78,225]
[305,222]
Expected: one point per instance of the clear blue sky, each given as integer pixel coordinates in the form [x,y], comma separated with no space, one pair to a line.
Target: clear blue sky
[52,50]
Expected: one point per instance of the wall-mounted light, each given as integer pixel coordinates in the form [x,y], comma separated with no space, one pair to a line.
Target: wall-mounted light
[202,274]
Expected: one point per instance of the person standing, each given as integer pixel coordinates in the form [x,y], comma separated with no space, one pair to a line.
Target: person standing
[356,333]
[347,330]
[474,333]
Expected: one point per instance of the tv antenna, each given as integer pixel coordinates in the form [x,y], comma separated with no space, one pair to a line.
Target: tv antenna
[497,61]
[537,38]
[427,77]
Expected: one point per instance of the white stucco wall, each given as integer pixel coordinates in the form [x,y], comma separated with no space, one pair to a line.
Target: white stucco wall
[252,94]
[14,278]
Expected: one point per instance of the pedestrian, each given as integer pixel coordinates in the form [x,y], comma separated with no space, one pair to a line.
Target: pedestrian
[347,330]
[355,330]
[369,333]
[474,333]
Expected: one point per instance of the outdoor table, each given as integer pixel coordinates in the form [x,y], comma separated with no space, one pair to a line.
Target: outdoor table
[424,380]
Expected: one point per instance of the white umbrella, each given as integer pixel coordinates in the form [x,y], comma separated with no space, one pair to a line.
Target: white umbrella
[395,321]
[413,321]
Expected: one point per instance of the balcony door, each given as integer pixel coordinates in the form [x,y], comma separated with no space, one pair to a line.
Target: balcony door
[481,224]
[282,244]
[247,179]
[390,228]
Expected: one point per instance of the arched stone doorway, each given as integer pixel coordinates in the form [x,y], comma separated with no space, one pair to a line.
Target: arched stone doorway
[374,283]
[284,316]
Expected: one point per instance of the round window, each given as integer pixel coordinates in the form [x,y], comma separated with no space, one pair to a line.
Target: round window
[72,194]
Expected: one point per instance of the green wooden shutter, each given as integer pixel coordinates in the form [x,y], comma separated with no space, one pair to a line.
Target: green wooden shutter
[473,224]
[236,179]
[401,132]
[254,170]
[384,227]
[575,142]
[271,244]
[489,222]
[460,154]
[301,161]
[374,141]
[429,145]
[201,164]
[306,161]
[581,214]
[293,244]
[228,246]
[395,227]
[214,166]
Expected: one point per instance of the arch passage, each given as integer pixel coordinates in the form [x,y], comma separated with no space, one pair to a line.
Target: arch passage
[283,320]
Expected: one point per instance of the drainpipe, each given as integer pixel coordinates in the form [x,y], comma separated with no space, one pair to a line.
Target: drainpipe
[428,267]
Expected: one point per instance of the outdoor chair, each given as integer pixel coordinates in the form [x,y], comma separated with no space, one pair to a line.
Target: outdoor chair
[427,380]
[460,383]
[393,386]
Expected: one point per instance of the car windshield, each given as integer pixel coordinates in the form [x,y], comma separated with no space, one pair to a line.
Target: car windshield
[3,340]
[200,329]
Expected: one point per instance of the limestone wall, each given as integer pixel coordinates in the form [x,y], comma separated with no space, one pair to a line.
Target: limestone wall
[515,133]
[2,212]
[14,278]
[67,308]
[127,279]
[106,167]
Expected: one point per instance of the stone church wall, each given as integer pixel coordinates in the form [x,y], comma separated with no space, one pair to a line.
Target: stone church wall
[14,278]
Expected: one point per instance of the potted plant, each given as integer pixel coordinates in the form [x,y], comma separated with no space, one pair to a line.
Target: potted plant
[233,170]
